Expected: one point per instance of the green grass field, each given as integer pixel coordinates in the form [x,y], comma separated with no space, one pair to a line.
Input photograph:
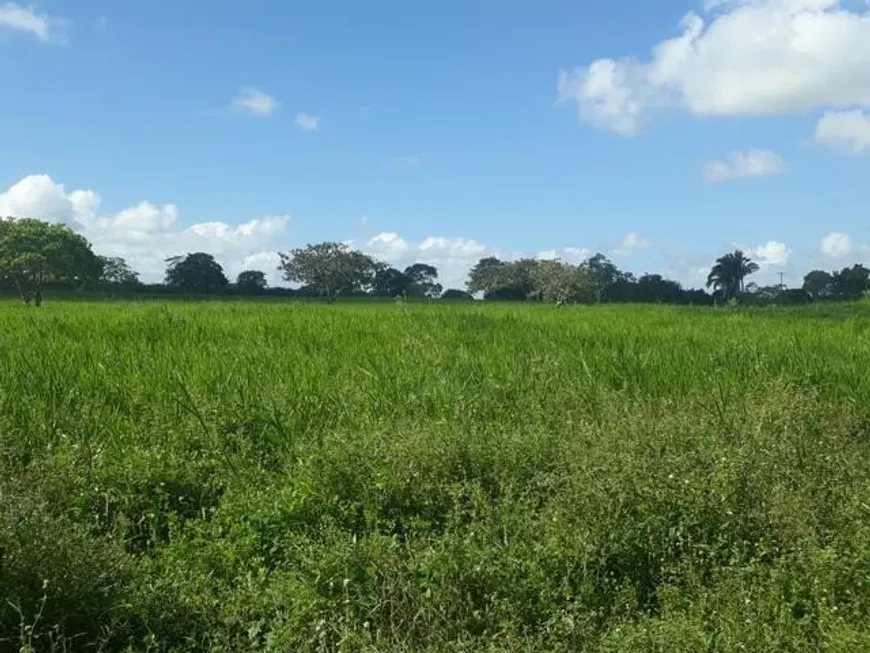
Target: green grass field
[283,477]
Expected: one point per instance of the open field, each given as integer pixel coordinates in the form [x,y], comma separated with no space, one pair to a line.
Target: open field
[278,477]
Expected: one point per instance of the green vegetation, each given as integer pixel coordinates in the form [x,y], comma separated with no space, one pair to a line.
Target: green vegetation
[283,477]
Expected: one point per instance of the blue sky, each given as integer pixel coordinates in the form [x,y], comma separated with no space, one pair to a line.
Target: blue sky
[660,133]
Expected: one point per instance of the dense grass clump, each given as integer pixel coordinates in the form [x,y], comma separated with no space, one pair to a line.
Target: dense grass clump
[257,477]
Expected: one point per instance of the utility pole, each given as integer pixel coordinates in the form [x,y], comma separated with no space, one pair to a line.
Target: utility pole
[781,289]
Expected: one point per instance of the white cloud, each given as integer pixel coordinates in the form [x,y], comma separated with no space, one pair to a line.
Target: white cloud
[844,130]
[576,254]
[255,102]
[27,20]
[453,257]
[266,262]
[630,242]
[388,244]
[772,253]
[145,234]
[743,165]
[738,58]
[605,96]
[573,255]
[836,245]
[307,122]
[364,220]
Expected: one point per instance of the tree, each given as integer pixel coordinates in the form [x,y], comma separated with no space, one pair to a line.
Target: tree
[455,294]
[498,280]
[423,280]
[330,269]
[251,281]
[819,284]
[851,283]
[116,271]
[729,272]
[559,282]
[763,295]
[197,272]
[483,276]
[654,288]
[33,252]
[609,279]
[390,282]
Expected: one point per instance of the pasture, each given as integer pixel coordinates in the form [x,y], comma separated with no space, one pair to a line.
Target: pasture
[363,477]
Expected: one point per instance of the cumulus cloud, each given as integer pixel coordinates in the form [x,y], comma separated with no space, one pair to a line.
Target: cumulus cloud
[27,20]
[771,253]
[743,165]
[836,245]
[145,234]
[844,130]
[307,123]
[255,102]
[388,244]
[630,243]
[573,255]
[452,256]
[734,58]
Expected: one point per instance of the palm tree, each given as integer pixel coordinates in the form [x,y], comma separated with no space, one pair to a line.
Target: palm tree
[729,271]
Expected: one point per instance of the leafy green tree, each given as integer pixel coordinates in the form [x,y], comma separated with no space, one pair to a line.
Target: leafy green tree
[197,272]
[559,282]
[251,281]
[762,295]
[33,252]
[390,282]
[454,294]
[116,271]
[503,280]
[483,276]
[653,288]
[729,272]
[851,283]
[612,283]
[819,284]
[330,269]
[423,280]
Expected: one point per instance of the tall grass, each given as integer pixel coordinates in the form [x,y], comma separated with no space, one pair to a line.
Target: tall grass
[284,477]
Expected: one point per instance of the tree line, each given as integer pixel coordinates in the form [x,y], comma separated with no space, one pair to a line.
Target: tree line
[36,254]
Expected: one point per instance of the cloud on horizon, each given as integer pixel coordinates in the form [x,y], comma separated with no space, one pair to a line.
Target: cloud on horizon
[145,234]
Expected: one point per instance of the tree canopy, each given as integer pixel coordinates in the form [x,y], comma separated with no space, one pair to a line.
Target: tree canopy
[455,294]
[33,252]
[330,269]
[559,282]
[252,280]
[423,280]
[596,279]
[117,271]
[390,282]
[503,280]
[197,272]
[728,274]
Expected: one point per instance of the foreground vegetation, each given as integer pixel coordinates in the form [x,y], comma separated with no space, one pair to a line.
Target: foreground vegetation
[277,477]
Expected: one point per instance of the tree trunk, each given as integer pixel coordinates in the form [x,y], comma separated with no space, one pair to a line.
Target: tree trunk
[25,292]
